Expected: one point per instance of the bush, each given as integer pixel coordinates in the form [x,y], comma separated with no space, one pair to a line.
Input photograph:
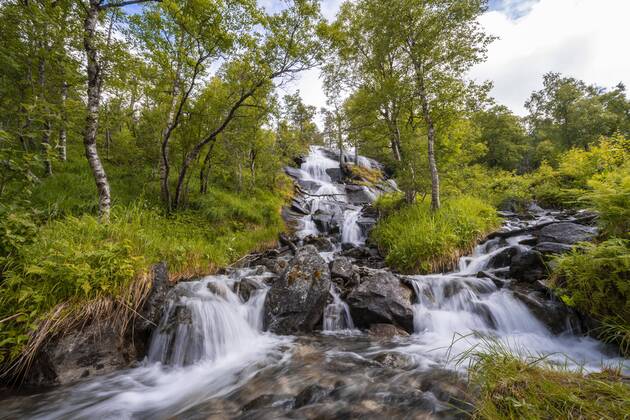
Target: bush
[414,239]
[611,199]
[511,387]
[595,280]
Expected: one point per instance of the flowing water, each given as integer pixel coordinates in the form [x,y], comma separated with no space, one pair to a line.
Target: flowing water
[210,358]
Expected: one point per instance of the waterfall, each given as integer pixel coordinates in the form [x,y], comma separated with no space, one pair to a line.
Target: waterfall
[350,230]
[206,319]
[337,314]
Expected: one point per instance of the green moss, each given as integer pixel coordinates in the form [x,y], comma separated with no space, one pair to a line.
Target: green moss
[414,239]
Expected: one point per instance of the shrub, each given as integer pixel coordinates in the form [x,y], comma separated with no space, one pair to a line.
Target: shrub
[611,199]
[595,280]
[414,239]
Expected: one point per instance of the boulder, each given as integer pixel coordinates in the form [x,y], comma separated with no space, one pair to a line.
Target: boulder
[293,172]
[359,195]
[566,233]
[246,287]
[528,266]
[503,258]
[366,224]
[553,313]
[396,360]
[552,248]
[326,222]
[322,243]
[296,301]
[335,174]
[386,331]
[299,206]
[381,298]
[341,267]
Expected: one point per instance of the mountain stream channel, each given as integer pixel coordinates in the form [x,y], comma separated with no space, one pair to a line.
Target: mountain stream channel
[320,328]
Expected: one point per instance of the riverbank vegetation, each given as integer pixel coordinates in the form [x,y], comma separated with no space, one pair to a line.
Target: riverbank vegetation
[514,387]
[416,240]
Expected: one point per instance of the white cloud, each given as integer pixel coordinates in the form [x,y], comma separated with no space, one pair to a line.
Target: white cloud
[587,39]
[580,38]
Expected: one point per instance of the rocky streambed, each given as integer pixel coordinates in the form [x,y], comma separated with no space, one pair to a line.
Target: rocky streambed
[320,328]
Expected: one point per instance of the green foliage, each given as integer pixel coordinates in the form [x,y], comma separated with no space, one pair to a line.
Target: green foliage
[414,239]
[594,279]
[512,387]
[77,259]
[610,197]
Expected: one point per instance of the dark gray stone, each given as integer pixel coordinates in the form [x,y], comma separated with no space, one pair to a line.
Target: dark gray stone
[381,298]
[296,301]
[566,233]
[528,266]
[552,248]
[341,267]
[320,242]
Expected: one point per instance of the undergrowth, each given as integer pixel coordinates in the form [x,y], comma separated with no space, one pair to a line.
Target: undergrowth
[416,240]
[73,261]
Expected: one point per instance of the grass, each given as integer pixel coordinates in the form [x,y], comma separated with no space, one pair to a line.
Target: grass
[74,265]
[416,240]
[367,176]
[507,386]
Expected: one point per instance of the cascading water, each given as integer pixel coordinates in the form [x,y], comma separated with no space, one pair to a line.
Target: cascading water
[209,357]
[337,314]
[350,230]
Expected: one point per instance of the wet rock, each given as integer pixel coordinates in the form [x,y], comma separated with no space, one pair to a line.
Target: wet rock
[296,301]
[312,394]
[217,289]
[386,331]
[552,248]
[553,313]
[346,246]
[246,287]
[566,233]
[326,222]
[503,258]
[395,360]
[335,174]
[528,266]
[360,252]
[341,267]
[285,401]
[322,243]
[381,298]
[358,194]
[299,206]
[293,172]
[274,265]
[366,224]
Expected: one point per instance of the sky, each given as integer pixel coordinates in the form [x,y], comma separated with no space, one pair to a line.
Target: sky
[586,39]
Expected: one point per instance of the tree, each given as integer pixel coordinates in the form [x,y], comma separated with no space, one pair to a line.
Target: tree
[571,113]
[504,136]
[93,13]
[442,40]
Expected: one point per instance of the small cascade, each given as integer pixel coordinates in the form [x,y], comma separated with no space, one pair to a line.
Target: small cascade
[337,314]
[205,320]
[350,230]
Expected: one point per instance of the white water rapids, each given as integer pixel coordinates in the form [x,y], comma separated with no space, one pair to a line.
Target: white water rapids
[210,356]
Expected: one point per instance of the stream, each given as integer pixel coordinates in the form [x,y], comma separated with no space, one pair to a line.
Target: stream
[211,357]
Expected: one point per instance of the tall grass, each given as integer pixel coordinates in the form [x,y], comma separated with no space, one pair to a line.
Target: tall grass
[76,263]
[507,386]
[416,240]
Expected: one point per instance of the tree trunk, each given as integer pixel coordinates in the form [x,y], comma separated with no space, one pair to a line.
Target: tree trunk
[252,168]
[435,178]
[63,131]
[166,135]
[47,126]
[93,102]
[204,173]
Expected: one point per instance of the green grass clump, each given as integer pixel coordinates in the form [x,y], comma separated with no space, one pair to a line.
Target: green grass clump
[75,260]
[512,387]
[595,279]
[416,240]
